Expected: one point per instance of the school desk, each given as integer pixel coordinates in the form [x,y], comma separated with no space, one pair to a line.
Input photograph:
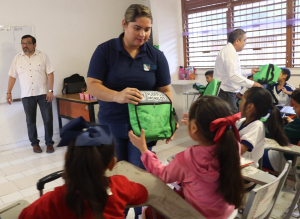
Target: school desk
[161,197]
[69,106]
[292,150]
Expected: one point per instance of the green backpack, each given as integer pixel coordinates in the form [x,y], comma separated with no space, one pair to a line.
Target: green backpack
[268,74]
[155,114]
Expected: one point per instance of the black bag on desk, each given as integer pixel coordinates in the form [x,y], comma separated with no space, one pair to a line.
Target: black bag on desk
[74,84]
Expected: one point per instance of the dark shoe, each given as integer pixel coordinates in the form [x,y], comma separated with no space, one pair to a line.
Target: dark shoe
[37,149]
[50,149]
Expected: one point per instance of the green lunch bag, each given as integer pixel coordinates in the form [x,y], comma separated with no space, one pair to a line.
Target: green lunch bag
[155,114]
[268,74]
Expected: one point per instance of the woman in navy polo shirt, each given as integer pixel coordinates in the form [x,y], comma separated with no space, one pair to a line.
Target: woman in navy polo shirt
[119,69]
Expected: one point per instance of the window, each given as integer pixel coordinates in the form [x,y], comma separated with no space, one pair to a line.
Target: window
[273,35]
[205,40]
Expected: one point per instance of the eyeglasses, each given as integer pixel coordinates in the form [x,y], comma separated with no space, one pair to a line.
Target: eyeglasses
[23,44]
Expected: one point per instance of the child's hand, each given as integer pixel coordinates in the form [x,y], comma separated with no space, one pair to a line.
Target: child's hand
[288,119]
[139,142]
[254,70]
[172,137]
[284,90]
[185,117]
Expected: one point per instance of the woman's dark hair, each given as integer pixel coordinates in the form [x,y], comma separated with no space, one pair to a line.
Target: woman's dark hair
[135,11]
[263,103]
[204,111]
[296,95]
[84,176]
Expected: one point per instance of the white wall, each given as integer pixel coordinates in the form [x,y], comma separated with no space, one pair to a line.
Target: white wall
[167,33]
[68,31]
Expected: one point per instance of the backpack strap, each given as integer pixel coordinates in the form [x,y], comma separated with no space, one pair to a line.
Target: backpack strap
[269,88]
[64,88]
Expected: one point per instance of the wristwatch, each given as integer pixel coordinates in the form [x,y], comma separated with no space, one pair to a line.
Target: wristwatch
[51,91]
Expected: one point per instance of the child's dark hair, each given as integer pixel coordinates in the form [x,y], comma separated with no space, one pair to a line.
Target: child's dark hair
[287,72]
[296,95]
[210,73]
[84,176]
[205,110]
[263,103]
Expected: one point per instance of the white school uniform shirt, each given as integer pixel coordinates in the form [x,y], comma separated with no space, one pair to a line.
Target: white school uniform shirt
[32,72]
[253,136]
[228,70]
[283,98]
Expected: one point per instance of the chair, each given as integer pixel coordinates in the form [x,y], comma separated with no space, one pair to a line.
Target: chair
[261,200]
[212,88]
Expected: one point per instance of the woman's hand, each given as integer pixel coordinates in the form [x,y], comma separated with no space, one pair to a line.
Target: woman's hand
[129,95]
[139,142]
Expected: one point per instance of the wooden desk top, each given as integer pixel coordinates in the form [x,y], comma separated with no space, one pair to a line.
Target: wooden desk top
[74,97]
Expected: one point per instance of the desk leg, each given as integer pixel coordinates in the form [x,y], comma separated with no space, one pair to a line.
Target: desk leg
[58,114]
[92,113]
[297,195]
[280,161]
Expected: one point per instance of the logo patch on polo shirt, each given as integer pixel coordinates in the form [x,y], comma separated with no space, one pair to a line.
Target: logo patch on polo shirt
[146,67]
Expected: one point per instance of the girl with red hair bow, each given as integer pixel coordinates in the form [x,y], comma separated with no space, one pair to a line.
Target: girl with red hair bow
[209,172]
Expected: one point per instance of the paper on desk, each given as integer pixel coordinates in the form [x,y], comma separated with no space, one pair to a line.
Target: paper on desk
[245,162]
[271,143]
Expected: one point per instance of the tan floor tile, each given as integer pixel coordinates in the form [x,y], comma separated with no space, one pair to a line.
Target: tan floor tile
[28,181]
[7,188]
[7,158]
[39,162]
[12,169]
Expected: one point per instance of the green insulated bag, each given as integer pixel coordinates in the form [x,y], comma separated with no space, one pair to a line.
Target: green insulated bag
[268,74]
[155,114]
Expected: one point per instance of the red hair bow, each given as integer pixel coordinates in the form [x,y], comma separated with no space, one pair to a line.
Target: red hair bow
[222,123]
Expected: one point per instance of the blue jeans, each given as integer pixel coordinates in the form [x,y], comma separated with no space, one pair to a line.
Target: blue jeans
[30,106]
[126,150]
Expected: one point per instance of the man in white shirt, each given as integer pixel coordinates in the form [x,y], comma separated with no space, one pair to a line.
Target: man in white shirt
[228,69]
[33,68]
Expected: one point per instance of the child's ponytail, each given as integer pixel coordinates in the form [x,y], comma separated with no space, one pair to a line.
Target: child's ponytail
[231,182]
[275,125]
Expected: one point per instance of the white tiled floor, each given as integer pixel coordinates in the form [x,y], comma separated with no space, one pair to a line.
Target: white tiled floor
[20,168]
